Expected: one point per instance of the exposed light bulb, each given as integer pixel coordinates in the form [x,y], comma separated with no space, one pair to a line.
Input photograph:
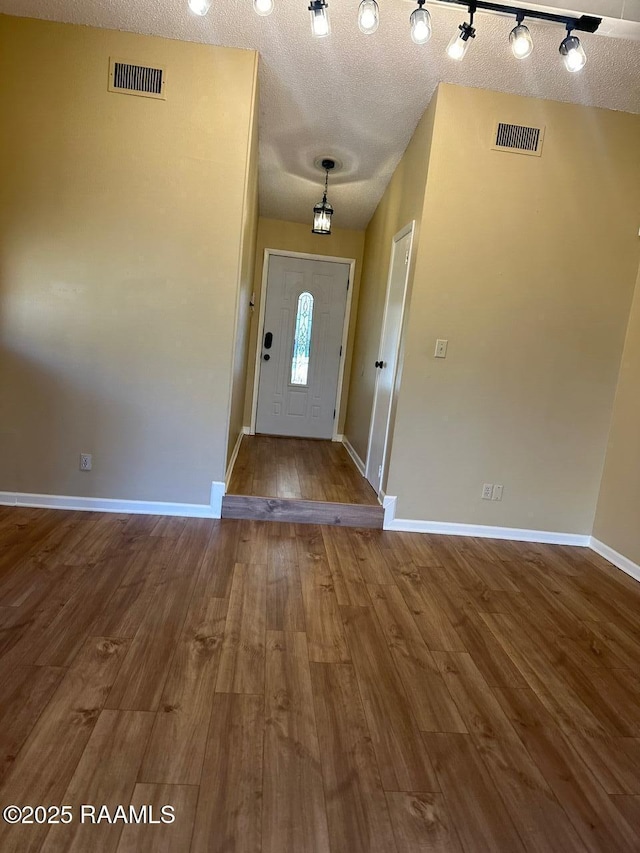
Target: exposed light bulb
[319,18]
[521,41]
[200,7]
[572,53]
[263,7]
[368,17]
[420,26]
[460,42]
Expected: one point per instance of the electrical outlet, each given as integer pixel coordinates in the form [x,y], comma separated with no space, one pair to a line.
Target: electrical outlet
[441,348]
[487,492]
[497,492]
[85,461]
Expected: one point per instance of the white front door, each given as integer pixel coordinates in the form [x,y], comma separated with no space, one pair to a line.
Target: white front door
[301,346]
[387,364]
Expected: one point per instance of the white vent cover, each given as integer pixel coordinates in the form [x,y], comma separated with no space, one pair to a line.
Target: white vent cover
[131,79]
[518,138]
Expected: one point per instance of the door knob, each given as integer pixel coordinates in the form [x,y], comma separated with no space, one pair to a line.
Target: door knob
[379,363]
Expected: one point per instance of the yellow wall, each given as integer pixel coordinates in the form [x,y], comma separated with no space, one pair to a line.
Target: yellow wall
[297,237]
[617,521]
[527,266]
[402,202]
[241,365]
[121,222]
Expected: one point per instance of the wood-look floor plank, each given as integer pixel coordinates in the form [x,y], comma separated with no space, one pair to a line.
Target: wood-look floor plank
[534,810]
[431,619]
[25,694]
[625,647]
[45,764]
[177,744]
[141,680]
[567,707]
[373,566]
[629,807]
[293,812]
[285,608]
[476,809]
[613,761]
[242,659]
[325,632]
[421,824]
[219,558]
[600,826]
[229,812]
[106,775]
[163,837]
[348,584]
[356,807]
[64,636]
[429,698]
[402,759]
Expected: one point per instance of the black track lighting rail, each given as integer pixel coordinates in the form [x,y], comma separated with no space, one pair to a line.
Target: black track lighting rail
[585,23]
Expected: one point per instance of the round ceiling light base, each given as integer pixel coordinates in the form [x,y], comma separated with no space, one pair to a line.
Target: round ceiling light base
[320,162]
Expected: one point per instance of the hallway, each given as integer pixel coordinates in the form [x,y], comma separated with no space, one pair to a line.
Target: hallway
[299,468]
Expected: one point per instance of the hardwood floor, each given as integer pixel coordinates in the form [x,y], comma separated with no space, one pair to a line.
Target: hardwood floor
[298,468]
[295,688]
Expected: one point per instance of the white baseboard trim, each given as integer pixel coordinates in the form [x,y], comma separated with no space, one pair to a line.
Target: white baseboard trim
[227,477]
[481,530]
[213,510]
[337,437]
[349,448]
[618,560]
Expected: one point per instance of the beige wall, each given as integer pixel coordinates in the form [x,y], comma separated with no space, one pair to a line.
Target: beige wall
[402,201]
[241,365]
[527,266]
[297,237]
[120,226]
[617,521]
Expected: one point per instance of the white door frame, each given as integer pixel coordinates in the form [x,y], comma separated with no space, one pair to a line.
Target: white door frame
[408,229]
[345,329]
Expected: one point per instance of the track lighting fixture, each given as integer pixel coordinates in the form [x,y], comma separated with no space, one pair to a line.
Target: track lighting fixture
[263,7]
[322,212]
[200,7]
[572,52]
[460,42]
[368,16]
[520,39]
[420,21]
[320,26]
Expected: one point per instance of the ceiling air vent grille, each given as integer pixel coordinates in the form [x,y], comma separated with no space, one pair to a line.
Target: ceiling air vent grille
[518,138]
[131,79]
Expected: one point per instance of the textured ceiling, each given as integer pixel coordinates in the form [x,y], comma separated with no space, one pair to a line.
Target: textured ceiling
[355,97]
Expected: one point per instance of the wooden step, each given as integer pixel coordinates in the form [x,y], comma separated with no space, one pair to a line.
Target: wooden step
[303,512]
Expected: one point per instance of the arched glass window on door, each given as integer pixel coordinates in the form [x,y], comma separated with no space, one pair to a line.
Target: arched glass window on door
[302,340]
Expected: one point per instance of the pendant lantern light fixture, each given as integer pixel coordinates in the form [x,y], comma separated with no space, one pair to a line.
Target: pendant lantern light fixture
[320,25]
[263,7]
[420,22]
[520,39]
[322,212]
[200,7]
[572,52]
[368,17]
[459,44]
